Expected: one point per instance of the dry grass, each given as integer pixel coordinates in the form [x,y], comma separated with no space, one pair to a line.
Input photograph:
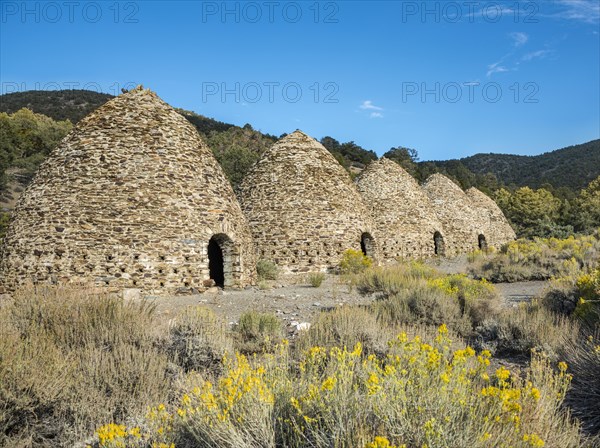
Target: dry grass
[412,293]
[198,340]
[70,359]
[258,332]
[519,330]
[345,327]
[583,358]
[539,259]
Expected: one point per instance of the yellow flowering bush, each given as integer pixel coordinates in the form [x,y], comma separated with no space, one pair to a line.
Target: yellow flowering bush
[588,289]
[237,411]
[157,432]
[354,261]
[421,393]
[537,259]
[413,293]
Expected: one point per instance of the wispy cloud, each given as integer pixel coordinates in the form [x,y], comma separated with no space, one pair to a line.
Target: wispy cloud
[375,110]
[519,39]
[587,11]
[496,68]
[368,105]
[540,54]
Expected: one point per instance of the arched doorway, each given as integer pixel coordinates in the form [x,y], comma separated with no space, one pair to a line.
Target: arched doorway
[367,245]
[220,267]
[482,242]
[439,246]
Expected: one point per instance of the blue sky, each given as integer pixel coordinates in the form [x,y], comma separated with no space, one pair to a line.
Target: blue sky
[449,79]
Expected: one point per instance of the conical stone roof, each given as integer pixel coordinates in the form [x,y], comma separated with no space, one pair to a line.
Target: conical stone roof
[302,207]
[494,224]
[129,199]
[404,217]
[455,212]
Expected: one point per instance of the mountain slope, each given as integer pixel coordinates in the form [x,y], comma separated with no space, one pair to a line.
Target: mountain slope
[573,167]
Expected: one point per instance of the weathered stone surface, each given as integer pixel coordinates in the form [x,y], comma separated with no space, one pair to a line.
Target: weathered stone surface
[302,207]
[129,199]
[404,217]
[455,211]
[494,224]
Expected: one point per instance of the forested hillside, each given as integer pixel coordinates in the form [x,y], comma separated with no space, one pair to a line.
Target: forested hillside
[59,105]
[573,167]
[543,195]
[235,147]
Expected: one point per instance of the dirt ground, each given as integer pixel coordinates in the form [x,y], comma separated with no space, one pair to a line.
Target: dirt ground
[293,304]
[299,303]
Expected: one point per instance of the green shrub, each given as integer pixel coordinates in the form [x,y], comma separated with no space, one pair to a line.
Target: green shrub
[354,261]
[258,331]
[413,293]
[519,330]
[267,270]
[198,340]
[576,293]
[344,327]
[316,279]
[478,299]
[424,306]
[538,259]
[588,306]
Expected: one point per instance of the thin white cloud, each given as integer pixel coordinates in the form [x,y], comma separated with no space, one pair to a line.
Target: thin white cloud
[519,39]
[376,115]
[587,11]
[496,68]
[540,54]
[492,12]
[368,105]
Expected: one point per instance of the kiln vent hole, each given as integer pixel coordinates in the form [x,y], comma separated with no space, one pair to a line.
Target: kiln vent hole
[439,246]
[220,259]
[367,245]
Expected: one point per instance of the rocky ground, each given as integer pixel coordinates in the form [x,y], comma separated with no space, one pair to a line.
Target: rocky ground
[296,304]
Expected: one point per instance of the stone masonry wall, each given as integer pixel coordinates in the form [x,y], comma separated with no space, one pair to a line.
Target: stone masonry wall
[494,224]
[302,207]
[402,212]
[129,199]
[456,214]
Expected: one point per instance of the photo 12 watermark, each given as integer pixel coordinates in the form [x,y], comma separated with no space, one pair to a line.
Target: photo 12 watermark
[69,12]
[114,88]
[439,11]
[469,92]
[270,12]
[270,91]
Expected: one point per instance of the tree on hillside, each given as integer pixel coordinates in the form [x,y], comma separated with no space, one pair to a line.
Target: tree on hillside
[26,139]
[350,151]
[586,208]
[533,212]
[407,158]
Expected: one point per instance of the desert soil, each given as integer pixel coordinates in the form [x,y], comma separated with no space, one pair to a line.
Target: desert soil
[298,303]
